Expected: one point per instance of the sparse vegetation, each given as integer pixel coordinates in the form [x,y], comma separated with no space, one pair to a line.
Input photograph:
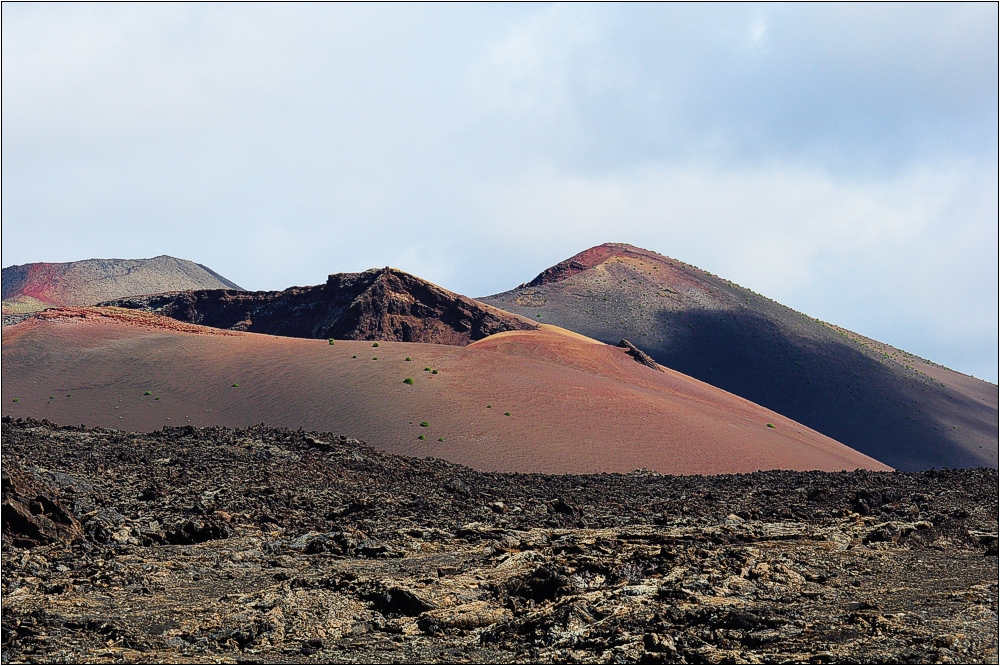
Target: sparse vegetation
[420,437]
[355,356]
[374,358]
[407,359]
[235,385]
[424,424]
[770,425]
[427,369]
[440,439]
[434,372]
[15,399]
[506,413]
[331,341]
[151,393]
[489,406]
[375,344]
[408,380]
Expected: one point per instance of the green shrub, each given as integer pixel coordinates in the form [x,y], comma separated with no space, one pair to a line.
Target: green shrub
[407,359]
[506,413]
[355,356]
[427,369]
[157,398]
[770,425]
[420,437]
[440,439]
[52,397]
[489,406]
[374,358]
[424,424]
[235,385]
[69,395]
[375,344]
[331,341]
[434,372]
[408,380]
[151,393]
[15,399]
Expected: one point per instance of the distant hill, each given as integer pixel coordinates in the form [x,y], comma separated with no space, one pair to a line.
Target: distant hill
[895,407]
[33,287]
[378,304]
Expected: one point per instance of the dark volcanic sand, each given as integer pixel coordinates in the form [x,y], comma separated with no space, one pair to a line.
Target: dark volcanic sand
[266,545]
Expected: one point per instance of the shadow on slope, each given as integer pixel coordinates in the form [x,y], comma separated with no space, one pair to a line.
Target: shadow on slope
[829,386]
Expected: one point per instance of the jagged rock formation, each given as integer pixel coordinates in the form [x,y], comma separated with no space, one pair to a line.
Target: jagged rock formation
[891,405]
[639,355]
[271,546]
[33,287]
[32,512]
[378,304]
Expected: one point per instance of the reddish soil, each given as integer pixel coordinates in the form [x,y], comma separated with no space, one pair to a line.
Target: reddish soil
[574,404]
[904,411]
[31,287]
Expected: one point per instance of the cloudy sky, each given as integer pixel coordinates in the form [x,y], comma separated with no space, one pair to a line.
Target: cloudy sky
[841,159]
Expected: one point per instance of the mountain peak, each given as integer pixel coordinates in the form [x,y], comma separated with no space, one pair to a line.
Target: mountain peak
[588,259]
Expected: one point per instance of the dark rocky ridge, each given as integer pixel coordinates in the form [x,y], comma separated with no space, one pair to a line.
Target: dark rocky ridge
[378,304]
[899,409]
[285,546]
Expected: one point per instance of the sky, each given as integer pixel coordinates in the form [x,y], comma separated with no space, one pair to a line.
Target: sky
[841,159]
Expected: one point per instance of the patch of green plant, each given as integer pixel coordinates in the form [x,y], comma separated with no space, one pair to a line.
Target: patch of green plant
[374,358]
[770,425]
[69,395]
[375,344]
[355,356]
[235,385]
[52,397]
[157,398]
[489,406]
[427,369]
[440,439]
[331,341]
[434,372]
[151,393]
[15,399]
[408,380]
[506,413]
[424,424]
[420,437]
[407,359]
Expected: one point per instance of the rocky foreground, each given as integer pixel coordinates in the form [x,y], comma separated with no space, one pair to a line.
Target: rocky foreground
[267,545]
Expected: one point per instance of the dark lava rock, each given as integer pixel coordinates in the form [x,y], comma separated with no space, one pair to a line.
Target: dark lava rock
[32,513]
[378,304]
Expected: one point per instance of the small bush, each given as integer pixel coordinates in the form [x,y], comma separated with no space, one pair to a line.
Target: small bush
[408,380]
[375,344]
[440,439]
[69,395]
[420,437]
[15,399]
[427,369]
[407,359]
[331,341]
[424,424]
[770,425]
[157,398]
[434,372]
[52,397]
[489,406]
[506,413]
[374,358]
[235,385]
[355,356]
[151,393]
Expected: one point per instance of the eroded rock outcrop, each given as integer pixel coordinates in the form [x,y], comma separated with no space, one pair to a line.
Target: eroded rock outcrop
[378,304]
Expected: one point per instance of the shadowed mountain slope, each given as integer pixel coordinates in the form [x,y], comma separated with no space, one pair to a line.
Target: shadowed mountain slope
[32,287]
[378,304]
[905,411]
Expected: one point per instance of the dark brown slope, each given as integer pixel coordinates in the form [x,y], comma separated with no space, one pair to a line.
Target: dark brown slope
[378,304]
[899,409]
[32,287]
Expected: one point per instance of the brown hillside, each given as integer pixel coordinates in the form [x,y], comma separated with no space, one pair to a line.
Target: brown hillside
[32,287]
[543,400]
[904,411]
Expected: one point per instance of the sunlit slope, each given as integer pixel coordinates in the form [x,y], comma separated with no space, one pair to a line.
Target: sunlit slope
[539,400]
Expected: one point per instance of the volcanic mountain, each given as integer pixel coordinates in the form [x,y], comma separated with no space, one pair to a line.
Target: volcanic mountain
[33,287]
[537,400]
[378,304]
[905,411]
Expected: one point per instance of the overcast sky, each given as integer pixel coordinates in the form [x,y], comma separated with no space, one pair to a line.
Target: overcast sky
[841,159]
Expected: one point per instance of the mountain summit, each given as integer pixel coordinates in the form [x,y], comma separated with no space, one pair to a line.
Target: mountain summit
[33,287]
[377,304]
[902,410]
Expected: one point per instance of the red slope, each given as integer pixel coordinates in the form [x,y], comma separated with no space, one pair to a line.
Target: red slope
[575,405]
